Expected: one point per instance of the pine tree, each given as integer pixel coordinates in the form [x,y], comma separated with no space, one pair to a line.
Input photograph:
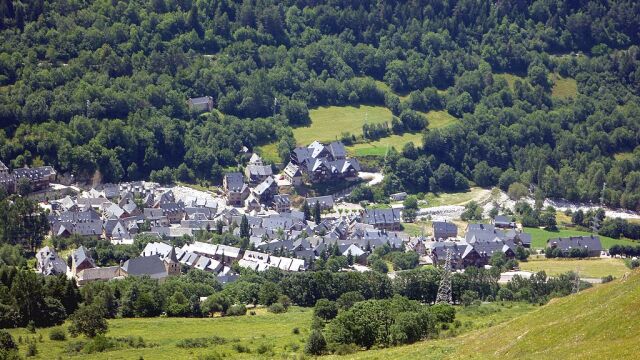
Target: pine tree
[194,21]
[306,211]
[244,227]
[317,213]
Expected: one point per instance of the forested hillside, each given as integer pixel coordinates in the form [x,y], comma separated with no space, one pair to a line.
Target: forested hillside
[100,87]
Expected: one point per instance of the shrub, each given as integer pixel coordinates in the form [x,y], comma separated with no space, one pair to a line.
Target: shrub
[316,343]
[241,348]
[32,349]
[295,331]
[193,343]
[237,310]
[325,309]
[252,312]
[6,341]
[346,300]
[263,349]
[57,334]
[276,308]
[345,349]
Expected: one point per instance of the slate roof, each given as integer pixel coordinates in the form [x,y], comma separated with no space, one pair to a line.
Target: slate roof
[259,170]
[235,181]
[445,226]
[591,243]
[200,100]
[381,216]
[152,266]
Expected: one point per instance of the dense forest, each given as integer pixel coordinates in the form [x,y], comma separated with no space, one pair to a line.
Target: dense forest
[99,88]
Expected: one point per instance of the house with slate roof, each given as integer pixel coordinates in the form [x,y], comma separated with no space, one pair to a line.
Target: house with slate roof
[388,219]
[49,263]
[323,162]
[257,173]
[81,259]
[443,230]
[235,188]
[590,243]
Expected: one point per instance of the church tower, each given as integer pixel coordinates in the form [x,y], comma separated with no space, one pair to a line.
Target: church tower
[171,263]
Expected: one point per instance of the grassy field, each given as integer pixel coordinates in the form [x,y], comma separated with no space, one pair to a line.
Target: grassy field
[459,198]
[439,119]
[510,78]
[384,87]
[623,156]
[564,88]
[591,268]
[269,331]
[379,147]
[269,152]
[329,122]
[539,237]
[598,323]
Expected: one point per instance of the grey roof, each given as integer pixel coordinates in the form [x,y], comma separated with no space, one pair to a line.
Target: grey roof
[34,173]
[265,185]
[337,149]
[591,243]
[326,201]
[487,227]
[201,100]
[81,255]
[381,216]
[235,181]
[282,199]
[444,226]
[259,170]
[147,265]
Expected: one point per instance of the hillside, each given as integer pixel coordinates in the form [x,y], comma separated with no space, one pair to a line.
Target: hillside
[598,323]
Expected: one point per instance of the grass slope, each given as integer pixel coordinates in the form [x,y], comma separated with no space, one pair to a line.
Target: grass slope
[329,122]
[379,147]
[539,237]
[439,119]
[564,88]
[272,331]
[598,323]
[590,268]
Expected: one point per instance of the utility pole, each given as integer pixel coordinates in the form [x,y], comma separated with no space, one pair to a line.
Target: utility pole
[444,291]
[576,283]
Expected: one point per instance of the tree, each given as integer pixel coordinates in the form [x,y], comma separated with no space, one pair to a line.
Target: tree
[306,211]
[316,343]
[325,309]
[471,211]
[88,320]
[317,213]
[244,227]
[24,187]
[269,293]
[348,299]
[517,191]
[405,260]
[578,217]
[380,266]
[296,112]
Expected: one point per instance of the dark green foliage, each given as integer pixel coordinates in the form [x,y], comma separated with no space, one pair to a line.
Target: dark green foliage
[88,320]
[276,308]
[237,310]
[325,309]
[405,260]
[348,299]
[29,298]
[57,334]
[316,343]
[382,322]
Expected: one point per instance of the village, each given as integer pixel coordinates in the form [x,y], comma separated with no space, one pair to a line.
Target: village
[256,205]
